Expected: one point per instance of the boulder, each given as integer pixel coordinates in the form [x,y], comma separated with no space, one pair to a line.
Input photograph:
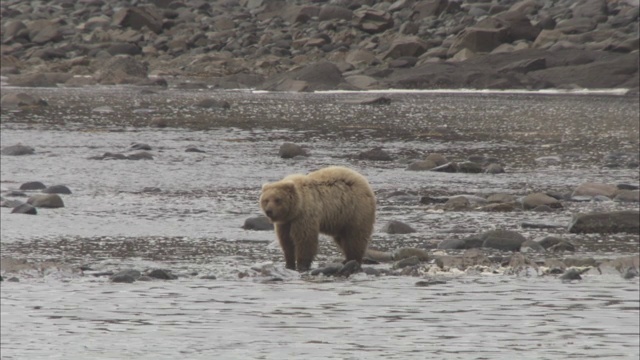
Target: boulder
[258,223]
[397,227]
[46,201]
[24,209]
[534,200]
[606,222]
[375,154]
[478,40]
[406,46]
[57,189]
[17,150]
[43,31]
[595,189]
[505,240]
[33,185]
[290,150]
[323,75]
[138,18]
[373,21]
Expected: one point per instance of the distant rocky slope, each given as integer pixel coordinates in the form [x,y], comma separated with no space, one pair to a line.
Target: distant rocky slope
[296,45]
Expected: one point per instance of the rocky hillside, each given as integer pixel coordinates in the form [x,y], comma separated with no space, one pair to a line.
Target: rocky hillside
[297,45]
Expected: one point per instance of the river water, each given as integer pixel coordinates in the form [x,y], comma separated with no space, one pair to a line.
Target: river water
[183,211]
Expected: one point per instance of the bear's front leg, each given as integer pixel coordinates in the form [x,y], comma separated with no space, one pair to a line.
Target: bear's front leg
[305,239]
[286,243]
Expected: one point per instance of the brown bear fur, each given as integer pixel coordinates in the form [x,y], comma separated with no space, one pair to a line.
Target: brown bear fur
[335,201]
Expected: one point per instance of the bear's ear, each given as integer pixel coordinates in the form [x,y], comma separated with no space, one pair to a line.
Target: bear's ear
[288,186]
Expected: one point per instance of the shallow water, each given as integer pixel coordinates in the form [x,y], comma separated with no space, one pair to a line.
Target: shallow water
[256,308]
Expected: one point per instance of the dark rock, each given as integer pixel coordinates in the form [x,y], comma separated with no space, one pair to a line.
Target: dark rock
[139,17]
[373,21]
[350,267]
[208,277]
[411,46]
[452,244]
[425,283]
[562,247]
[258,223]
[211,103]
[410,261]
[448,168]
[494,168]
[375,154]
[322,75]
[627,196]
[57,189]
[46,201]
[397,227]
[606,222]
[17,150]
[379,100]
[139,146]
[142,155]
[194,149]
[24,209]
[13,279]
[505,240]
[290,150]
[161,274]
[532,246]
[33,185]
[469,167]
[630,273]
[327,270]
[457,203]
[124,48]
[126,276]
[571,274]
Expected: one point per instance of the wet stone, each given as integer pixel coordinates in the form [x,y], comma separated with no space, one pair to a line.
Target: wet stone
[46,201]
[140,146]
[430,282]
[290,150]
[17,150]
[351,267]
[161,274]
[606,222]
[194,149]
[327,270]
[397,227]
[126,276]
[24,209]
[142,155]
[469,167]
[33,185]
[506,240]
[375,154]
[410,261]
[57,189]
[259,223]
[571,274]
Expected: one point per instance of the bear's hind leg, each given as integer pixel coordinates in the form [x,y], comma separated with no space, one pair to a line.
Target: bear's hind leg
[353,246]
[286,243]
[305,239]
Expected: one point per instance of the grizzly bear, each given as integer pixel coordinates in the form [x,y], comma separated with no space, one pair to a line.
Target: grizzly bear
[335,201]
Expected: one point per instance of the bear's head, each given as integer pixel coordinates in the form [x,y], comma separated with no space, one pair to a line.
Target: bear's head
[279,201]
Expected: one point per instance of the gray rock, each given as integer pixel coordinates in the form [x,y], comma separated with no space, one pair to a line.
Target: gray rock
[571,274]
[290,150]
[46,201]
[595,189]
[436,158]
[142,155]
[375,154]
[126,276]
[606,222]
[161,274]
[33,185]
[505,240]
[534,200]
[327,270]
[494,168]
[24,209]
[469,167]
[627,196]
[397,227]
[259,223]
[349,268]
[421,165]
[211,103]
[410,261]
[17,150]
[452,244]
[57,189]
[457,203]
[139,146]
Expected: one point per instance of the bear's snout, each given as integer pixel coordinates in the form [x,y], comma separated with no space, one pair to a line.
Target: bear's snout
[269,213]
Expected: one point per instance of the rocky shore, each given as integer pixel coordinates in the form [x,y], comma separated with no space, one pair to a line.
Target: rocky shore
[295,45]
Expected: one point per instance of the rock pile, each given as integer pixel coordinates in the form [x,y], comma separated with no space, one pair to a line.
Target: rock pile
[297,45]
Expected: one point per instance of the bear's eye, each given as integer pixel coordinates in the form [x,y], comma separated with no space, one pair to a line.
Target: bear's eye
[277,201]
